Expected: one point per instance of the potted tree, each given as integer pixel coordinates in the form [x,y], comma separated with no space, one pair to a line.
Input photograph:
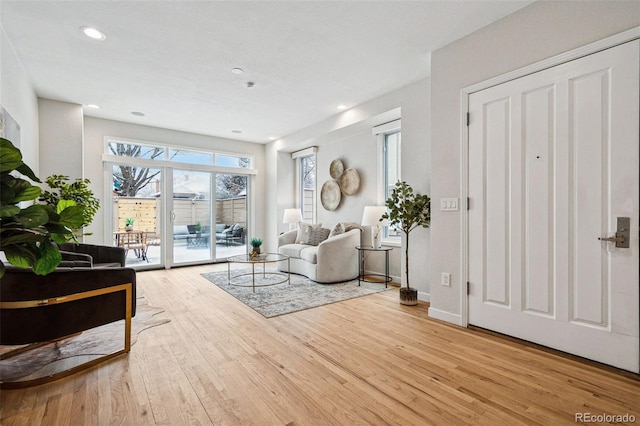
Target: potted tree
[27,234]
[407,210]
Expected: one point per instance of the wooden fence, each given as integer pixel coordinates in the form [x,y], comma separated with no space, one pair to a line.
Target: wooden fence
[187,212]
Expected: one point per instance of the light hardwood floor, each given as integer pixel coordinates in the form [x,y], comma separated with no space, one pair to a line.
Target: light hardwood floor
[363,361]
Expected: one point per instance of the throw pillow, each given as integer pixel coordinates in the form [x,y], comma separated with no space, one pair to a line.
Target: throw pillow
[317,235]
[337,230]
[303,229]
[352,225]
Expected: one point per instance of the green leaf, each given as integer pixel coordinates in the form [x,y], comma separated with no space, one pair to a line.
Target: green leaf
[21,256]
[50,258]
[62,238]
[53,216]
[30,193]
[72,217]
[8,211]
[26,170]
[26,192]
[56,228]
[7,193]
[33,216]
[63,204]
[10,156]
[22,238]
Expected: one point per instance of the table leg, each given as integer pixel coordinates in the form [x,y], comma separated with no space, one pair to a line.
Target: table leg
[386,268]
[360,266]
[253,276]
[228,273]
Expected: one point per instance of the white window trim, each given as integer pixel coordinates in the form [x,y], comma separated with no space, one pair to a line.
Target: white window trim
[298,156]
[304,152]
[380,133]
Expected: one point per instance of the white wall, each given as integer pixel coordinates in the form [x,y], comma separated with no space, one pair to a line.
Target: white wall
[539,31]
[348,136]
[18,98]
[60,138]
[95,130]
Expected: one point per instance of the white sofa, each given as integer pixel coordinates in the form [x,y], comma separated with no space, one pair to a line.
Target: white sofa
[333,260]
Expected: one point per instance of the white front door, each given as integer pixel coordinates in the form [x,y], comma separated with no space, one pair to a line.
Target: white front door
[553,163]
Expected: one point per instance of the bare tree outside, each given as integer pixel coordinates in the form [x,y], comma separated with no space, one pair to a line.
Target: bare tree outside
[230,186]
[309,172]
[128,180]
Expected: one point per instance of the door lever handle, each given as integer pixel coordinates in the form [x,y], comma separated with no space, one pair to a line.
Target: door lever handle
[622,235]
[617,240]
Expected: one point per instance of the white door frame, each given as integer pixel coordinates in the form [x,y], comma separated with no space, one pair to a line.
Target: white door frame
[580,52]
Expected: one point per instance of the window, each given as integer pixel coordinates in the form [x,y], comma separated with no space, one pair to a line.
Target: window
[306,183]
[389,138]
[124,148]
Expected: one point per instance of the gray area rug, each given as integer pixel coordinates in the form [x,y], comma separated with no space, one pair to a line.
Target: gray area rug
[280,299]
[64,354]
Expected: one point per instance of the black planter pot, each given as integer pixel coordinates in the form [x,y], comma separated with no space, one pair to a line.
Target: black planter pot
[408,296]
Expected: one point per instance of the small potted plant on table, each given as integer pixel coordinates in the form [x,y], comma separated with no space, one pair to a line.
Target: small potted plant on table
[255,243]
[128,224]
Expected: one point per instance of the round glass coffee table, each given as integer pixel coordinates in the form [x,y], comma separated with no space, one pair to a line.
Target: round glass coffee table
[263,258]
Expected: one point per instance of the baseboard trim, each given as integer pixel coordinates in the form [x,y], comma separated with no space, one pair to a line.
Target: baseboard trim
[424,296]
[444,316]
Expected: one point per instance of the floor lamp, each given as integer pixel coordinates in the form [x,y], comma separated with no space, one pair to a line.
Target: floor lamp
[292,217]
[372,216]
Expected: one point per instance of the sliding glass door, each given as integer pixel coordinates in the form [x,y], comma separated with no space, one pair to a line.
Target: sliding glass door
[174,206]
[191,217]
[231,215]
[136,213]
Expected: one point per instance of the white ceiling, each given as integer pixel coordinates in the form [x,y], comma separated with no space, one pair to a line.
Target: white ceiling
[172,60]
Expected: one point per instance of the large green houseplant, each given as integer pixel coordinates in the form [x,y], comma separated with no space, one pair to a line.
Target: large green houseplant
[26,234]
[407,210]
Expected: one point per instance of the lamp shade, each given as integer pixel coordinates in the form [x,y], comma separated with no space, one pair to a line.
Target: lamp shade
[372,215]
[292,216]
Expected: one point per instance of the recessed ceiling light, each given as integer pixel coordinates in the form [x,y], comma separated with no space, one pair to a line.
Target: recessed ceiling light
[93,33]
[236,131]
[93,106]
[272,138]
[237,71]
[137,113]
[341,107]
